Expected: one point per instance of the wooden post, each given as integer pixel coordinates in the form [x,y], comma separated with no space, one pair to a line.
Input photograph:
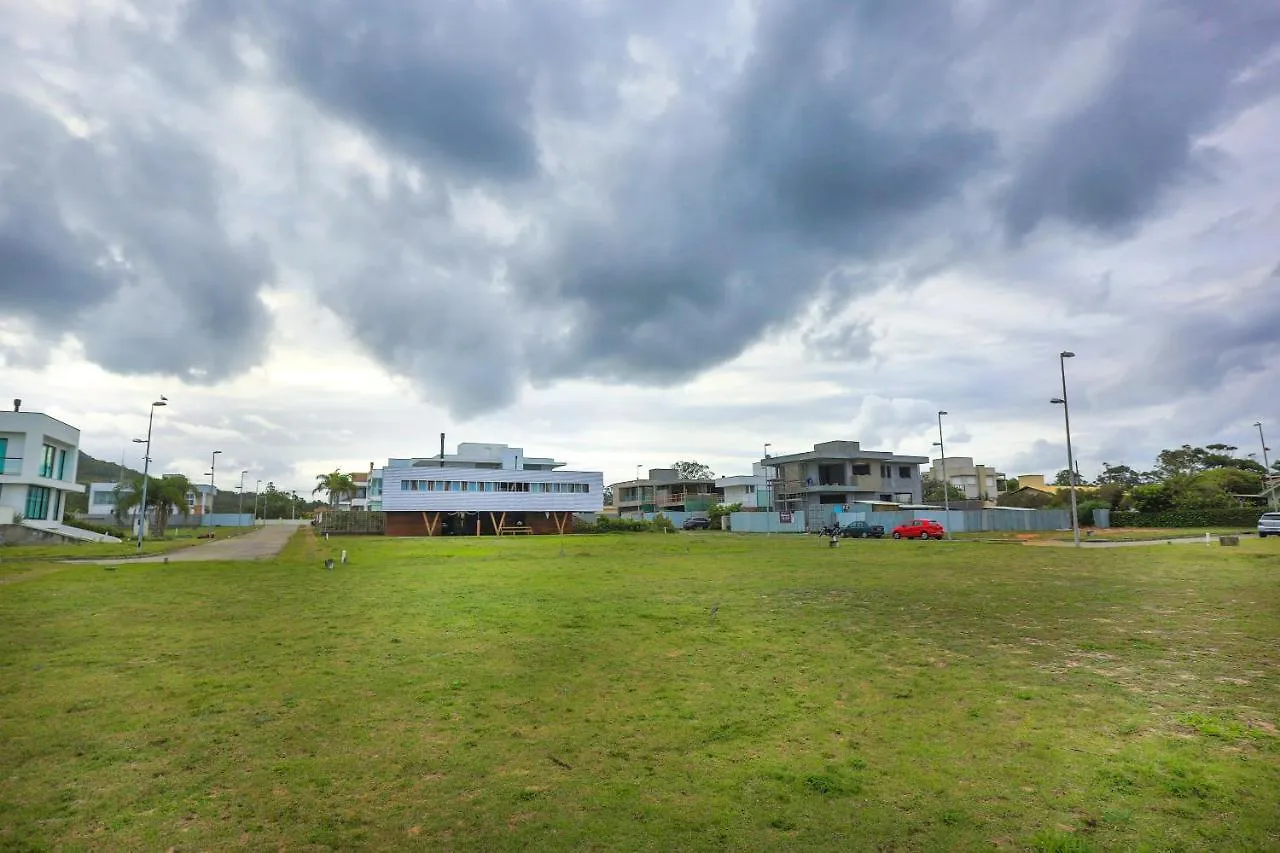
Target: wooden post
[427,522]
[493,520]
[477,524]
[502,522]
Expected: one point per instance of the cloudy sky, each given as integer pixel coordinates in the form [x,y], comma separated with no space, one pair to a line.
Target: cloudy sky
[624,233]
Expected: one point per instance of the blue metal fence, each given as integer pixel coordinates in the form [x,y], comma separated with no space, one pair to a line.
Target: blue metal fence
[226,519]
[765,522]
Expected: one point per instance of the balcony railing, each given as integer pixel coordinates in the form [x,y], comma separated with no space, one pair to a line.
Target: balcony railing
[11,465]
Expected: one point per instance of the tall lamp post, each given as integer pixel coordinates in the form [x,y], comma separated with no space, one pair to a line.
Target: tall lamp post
[946,491]
[257,490]
[1071,463]
[295,505]
[146,466]
[213,467]
[1266,463]
[240,509]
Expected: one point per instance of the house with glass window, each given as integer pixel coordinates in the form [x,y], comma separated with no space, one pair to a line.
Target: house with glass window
[38,459]
[483,489]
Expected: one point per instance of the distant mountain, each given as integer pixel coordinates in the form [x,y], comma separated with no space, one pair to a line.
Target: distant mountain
[93,470]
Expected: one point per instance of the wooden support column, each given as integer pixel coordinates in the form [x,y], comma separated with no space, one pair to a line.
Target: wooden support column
[502,522]
[477,524]
[493,519]
[427,522]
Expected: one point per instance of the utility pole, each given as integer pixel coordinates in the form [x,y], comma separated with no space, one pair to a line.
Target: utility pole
[1071,464]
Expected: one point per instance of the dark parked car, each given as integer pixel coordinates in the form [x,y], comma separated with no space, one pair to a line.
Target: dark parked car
[697,524]
[921,528]
[862,530]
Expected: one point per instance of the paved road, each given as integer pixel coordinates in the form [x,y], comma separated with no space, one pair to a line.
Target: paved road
[266,541]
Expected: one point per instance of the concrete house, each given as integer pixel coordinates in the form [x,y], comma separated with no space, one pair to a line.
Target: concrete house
[839,473]
[978,482]
[38,459]
[664,491]
[752,491]
[483,489]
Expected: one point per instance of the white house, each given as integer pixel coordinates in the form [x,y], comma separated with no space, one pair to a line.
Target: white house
[38,459]
[103,497]
[751,491]
[483,489]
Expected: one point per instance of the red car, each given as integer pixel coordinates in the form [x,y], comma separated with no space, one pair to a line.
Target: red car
[921,528]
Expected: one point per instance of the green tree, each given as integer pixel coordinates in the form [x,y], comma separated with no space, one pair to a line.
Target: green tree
[693,471]
[1063,478]
[166,496]
[1151,497]
[336,484]
[931,491]
[1183,460]
[1120,475]
[607,495]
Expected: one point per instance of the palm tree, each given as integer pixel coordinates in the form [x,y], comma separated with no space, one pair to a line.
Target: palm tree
[336,484]
[165,496]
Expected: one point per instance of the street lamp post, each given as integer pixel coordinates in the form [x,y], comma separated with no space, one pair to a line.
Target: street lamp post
[257,490]
[213,467]
[1266,463]
[146,467]
[1071,463]
[946,490]
[240,509]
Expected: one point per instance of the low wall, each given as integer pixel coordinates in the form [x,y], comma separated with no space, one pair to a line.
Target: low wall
[968,521]
[20,534]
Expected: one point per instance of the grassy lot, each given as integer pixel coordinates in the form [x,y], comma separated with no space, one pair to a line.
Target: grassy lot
[1110,534]
[16,558]
[648,692]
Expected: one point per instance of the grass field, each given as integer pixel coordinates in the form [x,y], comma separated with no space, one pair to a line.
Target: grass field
[15,558]
[648,692]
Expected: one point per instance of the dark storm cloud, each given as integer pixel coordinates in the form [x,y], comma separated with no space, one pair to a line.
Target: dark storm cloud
[652,242]
[116,239]
[1106,164]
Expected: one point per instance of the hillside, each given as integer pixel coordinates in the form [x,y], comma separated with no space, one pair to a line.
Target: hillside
[93,470]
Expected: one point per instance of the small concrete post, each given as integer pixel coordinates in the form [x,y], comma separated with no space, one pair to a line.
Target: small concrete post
[344,557]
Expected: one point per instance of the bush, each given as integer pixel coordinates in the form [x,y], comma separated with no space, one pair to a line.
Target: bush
[1188,518]
[93,527]
[1084,512]
[609,524]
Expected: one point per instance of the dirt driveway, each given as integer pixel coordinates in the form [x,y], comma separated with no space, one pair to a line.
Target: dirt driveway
[266,541]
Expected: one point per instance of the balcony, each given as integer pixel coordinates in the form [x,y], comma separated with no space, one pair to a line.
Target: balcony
[11,465]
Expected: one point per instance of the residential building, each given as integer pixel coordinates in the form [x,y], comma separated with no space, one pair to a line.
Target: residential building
[664,491]
[484,489]
[839,473]
[752,491]
[1036,481]
[359,497]
[38,459]
[103,498]
[978,482]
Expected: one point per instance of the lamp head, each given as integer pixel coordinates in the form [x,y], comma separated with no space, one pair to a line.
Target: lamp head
[139,441]
[216,452]
[1066,354]
[158,403]
[1258,424]
[1058,401]
[941,413]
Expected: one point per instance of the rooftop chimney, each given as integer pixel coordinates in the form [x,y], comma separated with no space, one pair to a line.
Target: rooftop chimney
[17,404]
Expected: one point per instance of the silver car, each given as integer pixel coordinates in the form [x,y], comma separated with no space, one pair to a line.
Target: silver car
[1269,525]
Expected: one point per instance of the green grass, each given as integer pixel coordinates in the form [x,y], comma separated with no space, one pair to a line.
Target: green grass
[15,558]
[648,692]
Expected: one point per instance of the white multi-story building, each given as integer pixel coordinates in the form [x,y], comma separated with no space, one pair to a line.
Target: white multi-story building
[38,459]
[482,489]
